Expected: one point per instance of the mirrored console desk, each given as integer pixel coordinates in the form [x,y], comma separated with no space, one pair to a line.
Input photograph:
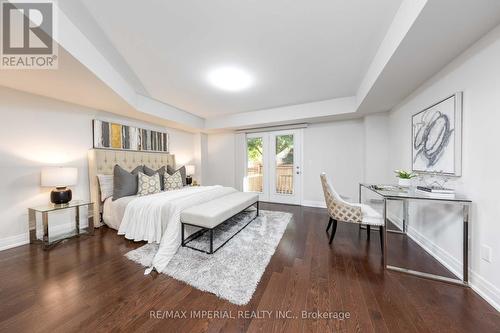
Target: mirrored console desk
[405,195]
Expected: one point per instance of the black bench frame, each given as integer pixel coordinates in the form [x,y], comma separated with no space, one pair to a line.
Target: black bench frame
[211,231]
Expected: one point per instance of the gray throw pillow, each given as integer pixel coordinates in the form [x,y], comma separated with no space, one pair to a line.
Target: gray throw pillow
[124,182]
[182,170]
[150,172]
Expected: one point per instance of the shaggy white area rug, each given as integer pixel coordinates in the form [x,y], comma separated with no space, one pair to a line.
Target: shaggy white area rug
[233,272]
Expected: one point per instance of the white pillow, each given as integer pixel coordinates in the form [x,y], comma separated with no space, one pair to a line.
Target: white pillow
[106,186]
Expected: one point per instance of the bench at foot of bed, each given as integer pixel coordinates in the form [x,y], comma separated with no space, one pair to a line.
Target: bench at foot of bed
[209,215]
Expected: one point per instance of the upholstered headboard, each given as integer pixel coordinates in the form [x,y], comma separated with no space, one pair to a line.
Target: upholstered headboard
[102,162]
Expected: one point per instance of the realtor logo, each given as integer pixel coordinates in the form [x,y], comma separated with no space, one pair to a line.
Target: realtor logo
[27,35]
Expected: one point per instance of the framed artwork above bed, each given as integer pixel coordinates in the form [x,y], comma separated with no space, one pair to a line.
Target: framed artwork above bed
[437,138]
[116,136]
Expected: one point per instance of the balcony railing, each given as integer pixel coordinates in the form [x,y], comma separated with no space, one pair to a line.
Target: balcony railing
[284,179]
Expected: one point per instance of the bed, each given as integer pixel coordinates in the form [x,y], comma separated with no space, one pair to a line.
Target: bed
[151,218]
[102,161]
[113,211]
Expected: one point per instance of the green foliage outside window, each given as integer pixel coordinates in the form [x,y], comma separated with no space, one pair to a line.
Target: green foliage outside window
[285,142]
[254,148]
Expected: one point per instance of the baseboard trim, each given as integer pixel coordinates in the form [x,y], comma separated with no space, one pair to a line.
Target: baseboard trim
[24,238]
[481,286]
[321,203]
[310,203]
[441,255]
[14,241]
[486,290]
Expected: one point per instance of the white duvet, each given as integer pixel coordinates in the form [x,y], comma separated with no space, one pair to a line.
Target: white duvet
[156,218]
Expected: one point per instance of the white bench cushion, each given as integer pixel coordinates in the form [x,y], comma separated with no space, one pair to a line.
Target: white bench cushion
[214,212]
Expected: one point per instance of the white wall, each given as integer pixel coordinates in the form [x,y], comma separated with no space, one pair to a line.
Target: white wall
[36,132]
[337,149]
[477,74]
[376,151]
[200,157]
[221,160]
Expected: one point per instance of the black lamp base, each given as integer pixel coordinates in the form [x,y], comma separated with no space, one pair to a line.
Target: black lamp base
[61,195]
[189,180]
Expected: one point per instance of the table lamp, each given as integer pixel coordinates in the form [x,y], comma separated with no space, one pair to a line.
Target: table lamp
[190,170]
[60,178]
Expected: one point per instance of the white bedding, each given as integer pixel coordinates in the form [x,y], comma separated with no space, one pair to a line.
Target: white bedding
[113,211]
[156,218]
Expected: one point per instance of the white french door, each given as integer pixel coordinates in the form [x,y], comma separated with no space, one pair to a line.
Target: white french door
[274,165]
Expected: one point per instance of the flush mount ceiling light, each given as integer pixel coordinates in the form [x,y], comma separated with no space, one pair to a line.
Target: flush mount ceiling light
[230,78]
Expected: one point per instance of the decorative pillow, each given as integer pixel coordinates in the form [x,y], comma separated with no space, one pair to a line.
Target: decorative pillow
[148,184]
[173,182]
[182,170]
[124,182]
[106,186]
[151,172]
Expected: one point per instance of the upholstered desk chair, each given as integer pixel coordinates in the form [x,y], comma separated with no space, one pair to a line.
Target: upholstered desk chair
[343,211]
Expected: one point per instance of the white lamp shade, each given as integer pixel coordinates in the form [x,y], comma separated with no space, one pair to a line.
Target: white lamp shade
[190,169]
[59,177]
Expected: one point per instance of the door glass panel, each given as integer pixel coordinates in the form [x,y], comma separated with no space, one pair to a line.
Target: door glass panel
[284,164]
[255,164]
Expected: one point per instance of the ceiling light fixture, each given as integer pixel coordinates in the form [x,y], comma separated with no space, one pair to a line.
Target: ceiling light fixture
[230,78]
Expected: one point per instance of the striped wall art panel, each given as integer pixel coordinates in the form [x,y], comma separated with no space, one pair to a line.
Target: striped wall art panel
[115,136]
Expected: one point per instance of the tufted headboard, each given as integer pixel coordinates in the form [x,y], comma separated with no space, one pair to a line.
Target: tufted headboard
[102,162]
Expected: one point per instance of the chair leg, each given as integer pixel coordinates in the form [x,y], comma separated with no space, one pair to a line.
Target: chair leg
[381,231]
[368,231]
[329,224]
[334,230]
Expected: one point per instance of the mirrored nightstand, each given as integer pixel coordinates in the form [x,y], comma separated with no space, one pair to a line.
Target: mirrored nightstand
[47,242]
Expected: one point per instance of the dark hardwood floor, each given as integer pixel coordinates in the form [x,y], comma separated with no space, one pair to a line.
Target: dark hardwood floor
[87,284]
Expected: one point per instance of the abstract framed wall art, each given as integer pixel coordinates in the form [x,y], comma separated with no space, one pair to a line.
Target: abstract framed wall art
[116,136]
[437,138]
